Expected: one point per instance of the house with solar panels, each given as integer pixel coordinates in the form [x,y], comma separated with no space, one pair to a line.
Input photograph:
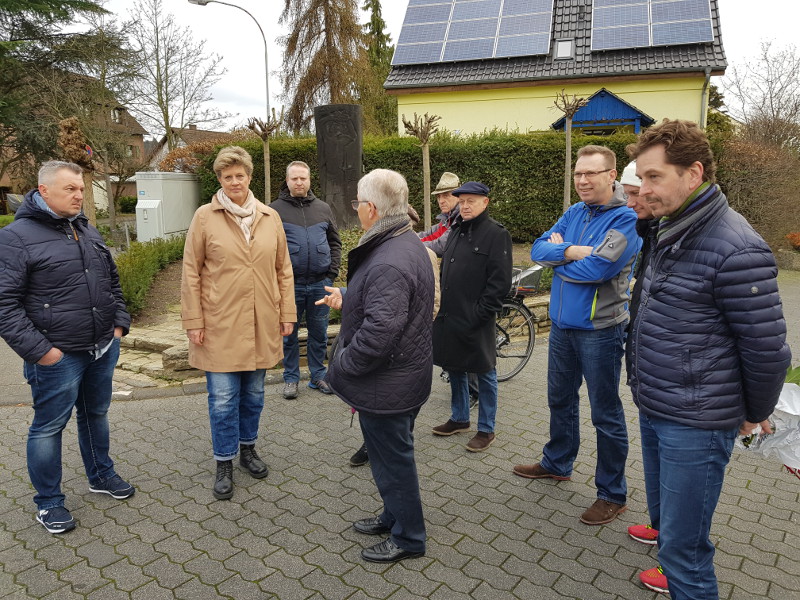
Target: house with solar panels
[485,64]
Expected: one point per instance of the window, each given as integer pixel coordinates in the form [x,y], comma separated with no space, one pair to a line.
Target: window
[564,49]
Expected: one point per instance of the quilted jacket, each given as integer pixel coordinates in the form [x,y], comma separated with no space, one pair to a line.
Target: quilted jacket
[383,363]
[58,286]
[708,344]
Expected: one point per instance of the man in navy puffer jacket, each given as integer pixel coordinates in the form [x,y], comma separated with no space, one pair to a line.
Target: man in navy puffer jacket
[61,310]
[708,350]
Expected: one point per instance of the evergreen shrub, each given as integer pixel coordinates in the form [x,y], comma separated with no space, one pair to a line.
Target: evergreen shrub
[127,204]
[139,265]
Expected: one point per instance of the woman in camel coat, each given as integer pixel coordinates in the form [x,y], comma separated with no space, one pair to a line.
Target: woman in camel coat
[237,303]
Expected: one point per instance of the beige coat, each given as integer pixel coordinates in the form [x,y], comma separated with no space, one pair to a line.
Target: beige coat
[239,295]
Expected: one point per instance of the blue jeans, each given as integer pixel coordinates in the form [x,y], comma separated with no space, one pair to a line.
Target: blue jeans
[683,472]
[317,325]
[76,380]
[390,445]
[596,356]
[235,402]
[487,398]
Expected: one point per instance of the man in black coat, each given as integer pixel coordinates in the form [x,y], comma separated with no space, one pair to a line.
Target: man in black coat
[62,311]
[382,366]
[476,276]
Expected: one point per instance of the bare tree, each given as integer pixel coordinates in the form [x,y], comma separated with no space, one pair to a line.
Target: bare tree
[764,93]
[176,73]
[568,106]
[423,128]
[324,56]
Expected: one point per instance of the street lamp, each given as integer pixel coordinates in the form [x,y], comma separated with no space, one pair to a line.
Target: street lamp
[266,78]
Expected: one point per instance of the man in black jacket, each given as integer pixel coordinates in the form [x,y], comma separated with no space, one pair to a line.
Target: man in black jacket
[315,251]
[382,366]
[476,276]
[61,310]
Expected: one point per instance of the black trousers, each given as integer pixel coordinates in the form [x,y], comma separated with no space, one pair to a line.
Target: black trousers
[390,445]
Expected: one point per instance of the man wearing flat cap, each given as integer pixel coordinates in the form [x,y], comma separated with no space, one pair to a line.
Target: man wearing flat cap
[476,276]
[435,238]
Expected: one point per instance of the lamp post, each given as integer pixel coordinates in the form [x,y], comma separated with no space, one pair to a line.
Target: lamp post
[266,78]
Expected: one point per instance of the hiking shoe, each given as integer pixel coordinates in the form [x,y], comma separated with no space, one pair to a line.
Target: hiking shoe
[56,520]
[321,385]
[644,534]
[223,481]
[360,457]
[451,427]
[290,390]
[480,442]
[654,579]
[536,471]
[602,512]
[115,486]
[251,461]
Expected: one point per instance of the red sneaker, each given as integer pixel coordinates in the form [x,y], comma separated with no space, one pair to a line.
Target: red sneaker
[644,534]
[654,579]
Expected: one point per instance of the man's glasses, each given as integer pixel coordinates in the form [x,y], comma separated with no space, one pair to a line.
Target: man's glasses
[588,174]
[355,203]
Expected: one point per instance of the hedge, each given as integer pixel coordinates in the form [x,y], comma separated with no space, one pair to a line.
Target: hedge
[524,171]
[139,265]
[6,220]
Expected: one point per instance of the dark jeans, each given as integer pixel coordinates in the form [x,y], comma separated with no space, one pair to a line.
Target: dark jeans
[317,326]
[76,380]
[390,445]
[594,355]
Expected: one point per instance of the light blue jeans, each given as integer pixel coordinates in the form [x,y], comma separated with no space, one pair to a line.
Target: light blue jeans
[235,402]
[487,398]
[684,468]
[76,380]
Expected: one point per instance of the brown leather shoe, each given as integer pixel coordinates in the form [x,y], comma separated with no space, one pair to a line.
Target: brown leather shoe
[451,427]
[480,442]
[602,512]
[536,471]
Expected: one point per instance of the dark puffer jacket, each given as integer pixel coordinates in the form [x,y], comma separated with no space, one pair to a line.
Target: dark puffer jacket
[383,362]
[708,343]
[314,245]
[56,290]
[476,276]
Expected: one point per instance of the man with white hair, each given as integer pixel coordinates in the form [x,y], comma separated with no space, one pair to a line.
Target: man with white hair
[382,366]
[62,311]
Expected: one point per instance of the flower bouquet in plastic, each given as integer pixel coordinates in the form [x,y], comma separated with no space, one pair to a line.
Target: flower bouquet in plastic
[784,443]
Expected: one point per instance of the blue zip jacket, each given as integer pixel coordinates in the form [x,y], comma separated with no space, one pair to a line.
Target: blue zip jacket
[314,245]
[591,293]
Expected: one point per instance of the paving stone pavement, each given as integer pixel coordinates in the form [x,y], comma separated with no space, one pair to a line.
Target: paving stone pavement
[289,536]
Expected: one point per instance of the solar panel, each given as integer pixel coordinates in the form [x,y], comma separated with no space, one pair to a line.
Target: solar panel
[473,29]
[641,23]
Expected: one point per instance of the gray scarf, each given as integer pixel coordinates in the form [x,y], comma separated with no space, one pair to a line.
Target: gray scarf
[385,224]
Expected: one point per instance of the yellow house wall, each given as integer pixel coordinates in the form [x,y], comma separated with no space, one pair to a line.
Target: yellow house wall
[531,108]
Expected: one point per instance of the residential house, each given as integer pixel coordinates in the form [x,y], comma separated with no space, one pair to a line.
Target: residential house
[186,136]
[484,64]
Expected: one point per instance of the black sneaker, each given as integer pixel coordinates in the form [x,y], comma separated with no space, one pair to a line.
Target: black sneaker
[360,457]
[56,520]
[321,385]
[114,486]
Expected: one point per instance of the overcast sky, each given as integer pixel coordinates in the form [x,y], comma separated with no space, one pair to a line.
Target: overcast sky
[232,34]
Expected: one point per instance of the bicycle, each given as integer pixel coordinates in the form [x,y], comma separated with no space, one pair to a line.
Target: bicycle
[516,330]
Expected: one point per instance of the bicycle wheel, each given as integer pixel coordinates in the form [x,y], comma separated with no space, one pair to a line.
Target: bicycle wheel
[515,339]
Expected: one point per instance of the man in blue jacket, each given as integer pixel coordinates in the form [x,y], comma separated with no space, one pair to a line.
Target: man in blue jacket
[61,310]
[592,249]
[708,353]
[315,250]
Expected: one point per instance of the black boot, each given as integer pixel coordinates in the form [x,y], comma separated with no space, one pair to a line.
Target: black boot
[251,461]
[360,457]
[223,486]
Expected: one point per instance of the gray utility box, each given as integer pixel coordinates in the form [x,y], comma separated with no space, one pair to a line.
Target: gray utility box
[165,203]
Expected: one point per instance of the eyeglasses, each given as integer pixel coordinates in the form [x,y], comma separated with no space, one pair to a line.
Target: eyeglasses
[589,174]
[355,203]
